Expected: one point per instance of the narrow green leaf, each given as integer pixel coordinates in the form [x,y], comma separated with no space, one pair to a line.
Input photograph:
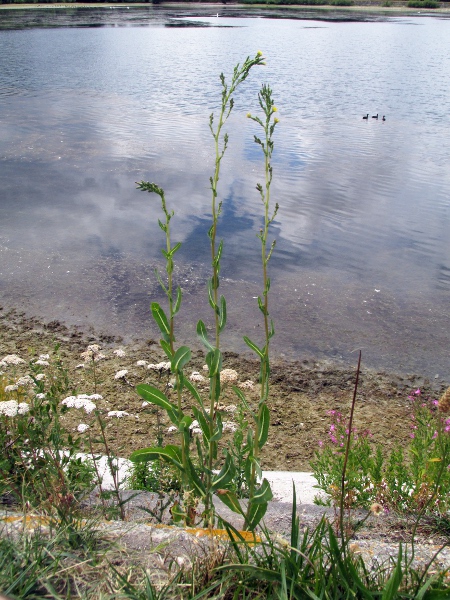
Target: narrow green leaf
[192,389]
[180,358]
[222,479]
[262,308]
[218,430]
[175,248]
[264,422]
[176,308]
[253,347]
[229,498]
[203,335]
[155,396]
[195,480]
[254,514]
[166,347]
[214,362]
[391,587]
[211,300]
[262,494]
[222,314]
[202,421]
[161,320]
[171,454]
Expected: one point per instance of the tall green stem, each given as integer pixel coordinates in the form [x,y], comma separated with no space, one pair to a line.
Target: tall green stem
[268,124]
[240,73]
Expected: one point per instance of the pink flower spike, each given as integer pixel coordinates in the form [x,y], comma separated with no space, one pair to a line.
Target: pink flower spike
[435,435]
[412,435]
[320,443]
[417,392]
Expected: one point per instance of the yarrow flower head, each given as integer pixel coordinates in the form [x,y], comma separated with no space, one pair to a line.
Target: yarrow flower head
[42,362]
[228,376]
[141,363]
[82,428]
[119,352]
[25,381]
[11,359]
[247,385]
[82,401]
[92,352]
[11,408]
[11,388]
[39,377]
[118,413]
[121,374]
[160,367]
[196,376]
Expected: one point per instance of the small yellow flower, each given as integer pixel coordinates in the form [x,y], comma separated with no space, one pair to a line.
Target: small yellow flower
[249,116]
[259,53]
[276,120]
[274,109]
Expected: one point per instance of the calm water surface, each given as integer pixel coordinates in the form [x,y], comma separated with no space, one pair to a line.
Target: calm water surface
[93,101]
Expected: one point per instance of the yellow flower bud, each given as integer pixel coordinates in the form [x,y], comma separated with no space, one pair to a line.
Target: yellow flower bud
[249,116]
[274,109]
[259,53]
[276,120]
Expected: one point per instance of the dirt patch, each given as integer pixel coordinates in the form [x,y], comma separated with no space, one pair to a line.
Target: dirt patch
[302,393]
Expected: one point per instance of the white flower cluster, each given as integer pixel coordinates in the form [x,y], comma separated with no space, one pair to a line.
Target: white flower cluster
[82,428]
[247,385]
[92,352]
[120,352]
[160,367]
[195,427]
[39,377]
[141,363]
[25,381]
[228,376]
[196,376]
[121,374]
[42,360]
[118,413]
[82,401]
[11,359]
[229,426]
[11,408]
[11,388]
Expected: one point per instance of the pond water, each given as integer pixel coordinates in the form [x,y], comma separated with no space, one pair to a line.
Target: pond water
[92,101]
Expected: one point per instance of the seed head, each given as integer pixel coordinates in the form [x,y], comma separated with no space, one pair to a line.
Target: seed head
[444,401]
[376,509]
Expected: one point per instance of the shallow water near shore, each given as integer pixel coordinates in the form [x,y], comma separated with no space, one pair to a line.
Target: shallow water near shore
[362,253]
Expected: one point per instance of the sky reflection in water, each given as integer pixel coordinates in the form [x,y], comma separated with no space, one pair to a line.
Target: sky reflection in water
[85,113]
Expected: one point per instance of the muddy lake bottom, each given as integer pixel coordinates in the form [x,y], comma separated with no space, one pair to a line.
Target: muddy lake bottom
[302,394]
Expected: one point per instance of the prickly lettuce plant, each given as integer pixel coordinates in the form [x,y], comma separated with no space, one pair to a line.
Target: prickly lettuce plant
[203,481]
[260,495]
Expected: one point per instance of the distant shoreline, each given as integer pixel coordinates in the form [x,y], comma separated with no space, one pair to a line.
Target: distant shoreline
[400,7]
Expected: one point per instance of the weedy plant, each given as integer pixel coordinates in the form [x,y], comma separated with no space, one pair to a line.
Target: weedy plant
[407,479]
[38,465]
[202,480]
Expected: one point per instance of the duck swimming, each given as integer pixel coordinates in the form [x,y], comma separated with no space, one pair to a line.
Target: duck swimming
[375,116]
[366,117]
